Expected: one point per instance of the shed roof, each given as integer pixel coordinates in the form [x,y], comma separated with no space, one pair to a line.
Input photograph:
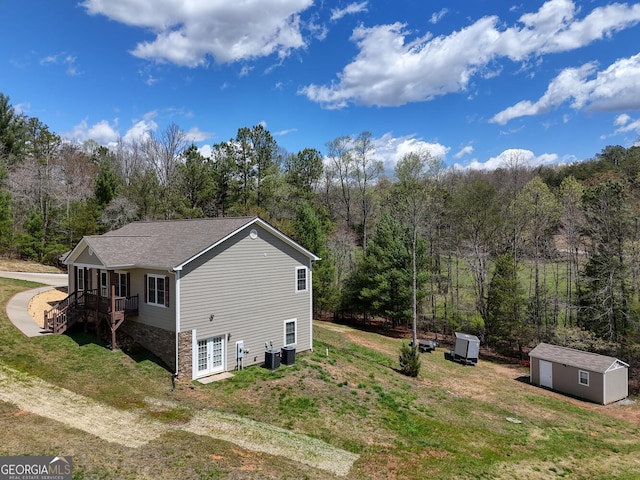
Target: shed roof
[167,244]
[576,358]
[467,336]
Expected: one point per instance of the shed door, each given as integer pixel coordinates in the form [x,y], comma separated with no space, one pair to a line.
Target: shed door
[546,374]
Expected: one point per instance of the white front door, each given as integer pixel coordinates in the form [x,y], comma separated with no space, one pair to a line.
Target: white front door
[210,355]
[546,374]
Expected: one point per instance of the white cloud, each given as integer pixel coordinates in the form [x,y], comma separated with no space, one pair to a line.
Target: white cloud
[142,129]
[436,17]
[245,70]
[626,124]
[616,87]
[205,151]
[467,150]
[188,31]
[196,135]
[391,149]
[64,59]
[338,13]
[282,133]
[393,69]
[525,158]
[102,132]
[622,120]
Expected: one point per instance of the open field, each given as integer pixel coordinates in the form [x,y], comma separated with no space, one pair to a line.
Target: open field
[451,422]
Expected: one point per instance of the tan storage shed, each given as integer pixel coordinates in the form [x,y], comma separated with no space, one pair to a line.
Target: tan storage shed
[590,376]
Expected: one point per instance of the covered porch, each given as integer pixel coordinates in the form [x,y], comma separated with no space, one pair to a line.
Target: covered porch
[97,295]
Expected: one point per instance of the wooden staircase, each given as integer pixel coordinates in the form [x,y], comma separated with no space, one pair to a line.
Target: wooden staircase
[65,314]
[91,307]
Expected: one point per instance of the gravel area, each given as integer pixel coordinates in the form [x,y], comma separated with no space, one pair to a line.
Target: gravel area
[42,302]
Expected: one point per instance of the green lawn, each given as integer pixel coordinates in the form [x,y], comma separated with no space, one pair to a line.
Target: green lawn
[450,422]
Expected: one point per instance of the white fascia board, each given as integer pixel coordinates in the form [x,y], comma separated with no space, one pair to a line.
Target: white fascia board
[77,250]
[617,364]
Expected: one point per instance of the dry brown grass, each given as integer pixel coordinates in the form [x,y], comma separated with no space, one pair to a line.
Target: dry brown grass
[13,265]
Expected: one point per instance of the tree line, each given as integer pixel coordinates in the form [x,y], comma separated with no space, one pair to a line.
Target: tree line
[516,255]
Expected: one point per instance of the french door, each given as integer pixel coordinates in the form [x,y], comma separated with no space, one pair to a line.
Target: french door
[211,355]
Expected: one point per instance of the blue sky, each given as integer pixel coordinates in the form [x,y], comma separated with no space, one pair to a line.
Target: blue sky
[473,82]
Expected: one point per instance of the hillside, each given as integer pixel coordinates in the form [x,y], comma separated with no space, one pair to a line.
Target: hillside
[451,422]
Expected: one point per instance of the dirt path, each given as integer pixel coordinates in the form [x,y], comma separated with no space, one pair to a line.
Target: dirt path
[132,430]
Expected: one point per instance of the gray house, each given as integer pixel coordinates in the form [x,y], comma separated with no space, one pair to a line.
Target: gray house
[206,296]
[597,378]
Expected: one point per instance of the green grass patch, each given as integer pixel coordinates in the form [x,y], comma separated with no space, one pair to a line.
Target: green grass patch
[449,422]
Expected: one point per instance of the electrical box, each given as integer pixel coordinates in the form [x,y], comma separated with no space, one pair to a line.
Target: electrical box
[240,349]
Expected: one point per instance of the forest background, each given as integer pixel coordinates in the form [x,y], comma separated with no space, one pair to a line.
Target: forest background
[516,255]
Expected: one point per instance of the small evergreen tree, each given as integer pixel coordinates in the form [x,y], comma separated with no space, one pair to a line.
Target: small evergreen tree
[409,360]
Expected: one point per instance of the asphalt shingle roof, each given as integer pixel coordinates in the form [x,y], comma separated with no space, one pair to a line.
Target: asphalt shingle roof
[161,244]
[575,358]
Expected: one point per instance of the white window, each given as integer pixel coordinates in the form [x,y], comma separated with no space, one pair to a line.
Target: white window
[80,285]
[290,332]
[104,284]
[583,378]
[156,288]
[301,279]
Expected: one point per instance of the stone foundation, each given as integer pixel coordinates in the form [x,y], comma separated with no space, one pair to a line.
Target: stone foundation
[158,341]
[185,355]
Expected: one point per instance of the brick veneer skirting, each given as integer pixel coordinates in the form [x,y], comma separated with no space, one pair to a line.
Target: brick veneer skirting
[158,341]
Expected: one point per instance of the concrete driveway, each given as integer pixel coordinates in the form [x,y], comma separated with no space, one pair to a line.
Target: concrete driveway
[18,305]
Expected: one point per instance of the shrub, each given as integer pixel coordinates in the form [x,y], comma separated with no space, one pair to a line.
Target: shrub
[409,360]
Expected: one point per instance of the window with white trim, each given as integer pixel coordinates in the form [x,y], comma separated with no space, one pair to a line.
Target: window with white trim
[583,378]
[290,332]
[104,283]
[156,286]
[302,281]
[80,285]
[121,284]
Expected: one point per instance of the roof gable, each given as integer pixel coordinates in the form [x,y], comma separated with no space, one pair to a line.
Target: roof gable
[576,358]
[168,244]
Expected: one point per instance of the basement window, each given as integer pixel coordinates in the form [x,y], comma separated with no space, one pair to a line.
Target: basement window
[583,378]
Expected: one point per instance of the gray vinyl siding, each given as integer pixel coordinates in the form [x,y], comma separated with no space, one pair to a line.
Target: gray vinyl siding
[616,384]
[534,371]
[154,315]
[248,285]
[565,380]
[86,258]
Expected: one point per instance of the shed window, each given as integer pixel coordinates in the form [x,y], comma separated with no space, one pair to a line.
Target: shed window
[583,378]
[301,279]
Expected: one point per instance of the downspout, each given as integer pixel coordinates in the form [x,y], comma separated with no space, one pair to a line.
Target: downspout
[177,307]
[311,304]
